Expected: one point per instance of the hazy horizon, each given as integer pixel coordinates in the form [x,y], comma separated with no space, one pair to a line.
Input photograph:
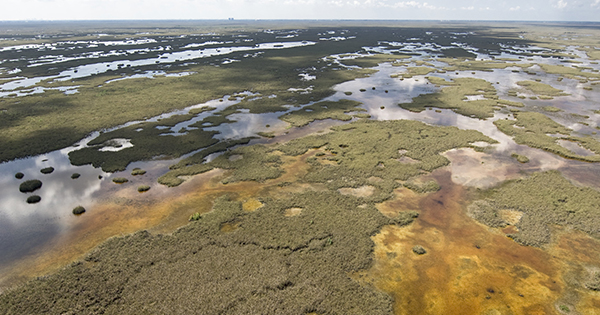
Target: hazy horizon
[460,10]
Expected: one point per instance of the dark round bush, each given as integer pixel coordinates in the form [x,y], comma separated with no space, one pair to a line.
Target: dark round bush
[19,175]
[78,210]
[143,188]
[120,180]
[47,170]
[75,175]
[30,185]
[34,199]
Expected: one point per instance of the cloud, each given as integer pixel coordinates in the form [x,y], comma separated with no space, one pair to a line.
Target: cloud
[468,8]
[415,5]
[596,3]
[517,8]
[560,4]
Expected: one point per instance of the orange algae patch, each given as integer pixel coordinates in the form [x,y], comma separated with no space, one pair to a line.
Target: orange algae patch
[468,268]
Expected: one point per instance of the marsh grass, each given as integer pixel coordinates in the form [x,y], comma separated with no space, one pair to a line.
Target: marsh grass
[541,89]
[545,199]
[533,129]
[257,264]
[322,110]
[453,96]
[520,158]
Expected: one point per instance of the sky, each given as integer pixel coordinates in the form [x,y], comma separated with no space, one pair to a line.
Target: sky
[528,10]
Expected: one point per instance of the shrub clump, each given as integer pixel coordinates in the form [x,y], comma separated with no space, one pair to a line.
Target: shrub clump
[75,175]
[520,158]
[19,175]
[47,170]
[143,188]
[34,199]
[419,250]
[78,210]
[30,185]
[120,180]
[195,217]
[138,171]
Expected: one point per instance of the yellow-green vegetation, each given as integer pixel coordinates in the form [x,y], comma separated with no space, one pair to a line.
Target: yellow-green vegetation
[429,186]
[30,185]
[368,61]
[322,110]
[143,188]
[541,89]
[533,129]
[256,162]
[460,64]
[454,96]
[137,171]
[413,71]
[545,199]
[34,199]
[304,269]
[120,180]
[552,109]
[266,134]
[78,210]
[369,153]
[361,150]
[569,72]
[520,158]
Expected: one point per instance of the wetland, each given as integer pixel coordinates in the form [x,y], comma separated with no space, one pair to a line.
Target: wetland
[310,167]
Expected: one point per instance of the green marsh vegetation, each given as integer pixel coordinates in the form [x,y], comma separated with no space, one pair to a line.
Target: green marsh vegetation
[120,180]
[322,110]
[360,150]
[520,158]
[541,89]
[143,188]
[544,199]
[454,96]
[257,264]
[534,129]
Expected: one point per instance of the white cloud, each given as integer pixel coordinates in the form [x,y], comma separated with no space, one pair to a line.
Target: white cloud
[561,4]
[517,8]
[468,8]
[596,3]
